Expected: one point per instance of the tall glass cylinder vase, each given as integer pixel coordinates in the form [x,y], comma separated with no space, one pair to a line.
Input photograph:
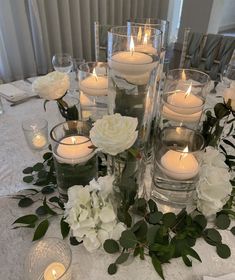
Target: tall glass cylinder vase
[183,98]
[133,59]
[74,156]
[93,88]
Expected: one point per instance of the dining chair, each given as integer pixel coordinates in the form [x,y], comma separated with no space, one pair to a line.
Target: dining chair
[210,53]
[101,41]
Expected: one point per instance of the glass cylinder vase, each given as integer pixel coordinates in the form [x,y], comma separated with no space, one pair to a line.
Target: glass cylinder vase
[74,156]
[93,88]
[177,159]
[133,59]
[183,98]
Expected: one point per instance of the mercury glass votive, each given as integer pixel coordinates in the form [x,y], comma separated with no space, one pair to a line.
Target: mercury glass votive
[133,59]
[183,98]
[74,155]
[177,159]
[49,259]
[93,88]
[36,133]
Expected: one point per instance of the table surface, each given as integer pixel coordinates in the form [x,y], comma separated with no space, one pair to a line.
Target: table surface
[15,244]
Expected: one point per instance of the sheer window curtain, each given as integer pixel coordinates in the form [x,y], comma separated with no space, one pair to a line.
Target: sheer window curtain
[31,31]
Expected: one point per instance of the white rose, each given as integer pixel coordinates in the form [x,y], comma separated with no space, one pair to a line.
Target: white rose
[78,195]
[91,242]
[114,134]
[51,86]
[107,214]
[214,185]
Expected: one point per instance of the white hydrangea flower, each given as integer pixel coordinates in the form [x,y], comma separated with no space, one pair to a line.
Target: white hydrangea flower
[114,134]
[51,86]
[214,185]
[90,213]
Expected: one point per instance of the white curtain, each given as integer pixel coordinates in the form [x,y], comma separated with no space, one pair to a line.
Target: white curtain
[31,31]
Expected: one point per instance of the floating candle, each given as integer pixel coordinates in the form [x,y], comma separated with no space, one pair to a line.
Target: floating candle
[74,149]
[94,85]
[179,165]
[54,271]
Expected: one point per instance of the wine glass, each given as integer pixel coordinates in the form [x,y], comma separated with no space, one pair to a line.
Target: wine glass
[62,62]
[229,75]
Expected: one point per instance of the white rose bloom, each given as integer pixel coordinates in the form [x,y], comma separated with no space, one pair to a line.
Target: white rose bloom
[107,214]
[51,86]
[106,186]
[78,195]
[114,134]
[91,242]
[214,185]
[102,235]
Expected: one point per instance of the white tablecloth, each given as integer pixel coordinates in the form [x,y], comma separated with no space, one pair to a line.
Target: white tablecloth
[14,244]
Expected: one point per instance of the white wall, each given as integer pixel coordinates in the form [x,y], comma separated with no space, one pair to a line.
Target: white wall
[228,16]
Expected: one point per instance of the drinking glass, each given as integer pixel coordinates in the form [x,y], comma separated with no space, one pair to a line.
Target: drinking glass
[62,62]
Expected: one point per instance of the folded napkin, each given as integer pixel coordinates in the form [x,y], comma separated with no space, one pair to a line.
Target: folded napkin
[230,276]
[12,93]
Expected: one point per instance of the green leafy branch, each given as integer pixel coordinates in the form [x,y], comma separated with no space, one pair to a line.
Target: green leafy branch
[163,237]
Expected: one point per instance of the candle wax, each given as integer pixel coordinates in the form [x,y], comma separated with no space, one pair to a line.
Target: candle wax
[179,166]
[94,86]
[146,48]
[39,141]
[54,271]
[77,149]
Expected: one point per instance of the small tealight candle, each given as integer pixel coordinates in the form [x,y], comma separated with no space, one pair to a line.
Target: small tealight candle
[179,165]
[94,85]
[54,271]
[39,141]
[75,149]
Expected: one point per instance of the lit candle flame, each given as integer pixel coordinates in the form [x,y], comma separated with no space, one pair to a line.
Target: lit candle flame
[54,274]
[139,35]
[145,41]
[94,73]
[188,91]
[178,129]
[132,45]
[184,153]
[73,139]
[183,77]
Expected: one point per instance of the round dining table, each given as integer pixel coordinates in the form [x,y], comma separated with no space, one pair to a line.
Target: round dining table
[15,155]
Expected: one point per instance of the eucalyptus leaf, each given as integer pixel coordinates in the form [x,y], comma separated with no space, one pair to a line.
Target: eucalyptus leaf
[47,190]
[64,228]
[157,265]
[54,199]
[155,218]
[192,253]
[41,230]
[187,261]
[49,210]
[233,230]
[47,156]
[38,166]
[151,234]
[152,206]
[28,179]
[122,258]
[200,220]
[223,251]
[28,170]
[222,221]
[112,269]
[41,211]
[169,219]
[128,239]
[27,219]
[25,202]
[111,246]
[213,235]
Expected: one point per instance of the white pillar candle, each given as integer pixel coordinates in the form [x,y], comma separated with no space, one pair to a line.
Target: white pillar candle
[74,149]
[229,93]
[179,165]
[54,271]
[94,85]
[39,141]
